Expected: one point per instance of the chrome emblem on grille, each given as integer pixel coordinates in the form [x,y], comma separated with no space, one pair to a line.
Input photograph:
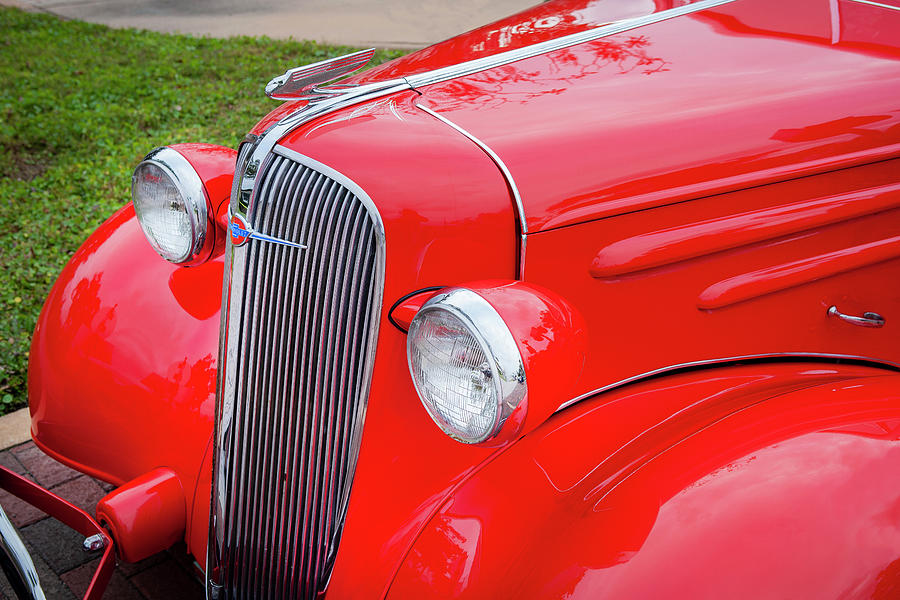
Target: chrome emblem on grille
[241,231]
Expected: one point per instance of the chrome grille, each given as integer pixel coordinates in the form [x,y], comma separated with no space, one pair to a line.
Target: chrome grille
[292,398]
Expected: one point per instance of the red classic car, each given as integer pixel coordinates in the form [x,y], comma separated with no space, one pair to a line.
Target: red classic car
[598,301]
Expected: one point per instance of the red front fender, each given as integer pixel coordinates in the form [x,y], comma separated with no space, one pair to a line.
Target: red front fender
[123,361]
[747,482]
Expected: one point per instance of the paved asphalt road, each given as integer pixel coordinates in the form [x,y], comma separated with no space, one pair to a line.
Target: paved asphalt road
[382,23]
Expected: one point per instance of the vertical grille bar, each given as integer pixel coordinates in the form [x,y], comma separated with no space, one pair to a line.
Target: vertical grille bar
[297,377]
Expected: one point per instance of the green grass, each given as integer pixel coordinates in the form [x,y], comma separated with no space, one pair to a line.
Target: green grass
[80,105]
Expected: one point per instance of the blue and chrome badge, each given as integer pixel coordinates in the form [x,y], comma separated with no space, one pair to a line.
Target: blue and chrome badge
[241,231]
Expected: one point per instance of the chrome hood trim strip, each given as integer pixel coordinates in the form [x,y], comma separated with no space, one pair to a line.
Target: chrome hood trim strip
[355,95]
[243,189]
[513,188]
[714,362]
[878,4]
[504,58]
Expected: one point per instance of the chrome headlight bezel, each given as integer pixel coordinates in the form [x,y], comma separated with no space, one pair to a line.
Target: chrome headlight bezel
[496,341]
[193,195]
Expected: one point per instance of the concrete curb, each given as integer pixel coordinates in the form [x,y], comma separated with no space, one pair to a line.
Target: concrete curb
[15,428]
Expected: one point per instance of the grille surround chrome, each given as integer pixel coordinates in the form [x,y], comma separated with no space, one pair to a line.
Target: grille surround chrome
[222,534]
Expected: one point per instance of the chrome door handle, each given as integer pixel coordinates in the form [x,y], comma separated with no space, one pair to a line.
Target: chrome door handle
[869,319]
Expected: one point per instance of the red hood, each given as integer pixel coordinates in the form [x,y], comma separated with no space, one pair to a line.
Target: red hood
[546,21]
[743,94]
[730,97]
[543,22]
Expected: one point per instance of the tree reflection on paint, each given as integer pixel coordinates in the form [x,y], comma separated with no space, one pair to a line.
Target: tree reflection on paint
[493,87]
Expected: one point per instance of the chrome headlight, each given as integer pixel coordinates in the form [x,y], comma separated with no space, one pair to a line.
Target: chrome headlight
[465,365]
[170,204]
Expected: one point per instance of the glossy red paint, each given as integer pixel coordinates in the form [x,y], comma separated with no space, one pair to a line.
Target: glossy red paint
[758,482]
[685,274]
[197,532]
[109,353]
[123,360]
[215,166]
[396,502]
[405,309]
[70,515]
[780,277]
[279,112]
[146,515]
[193,289]
[552,341]
[546,21]
[599,129]
[675,244]
[168,386]
[543,22]
[432,218]
[127,344]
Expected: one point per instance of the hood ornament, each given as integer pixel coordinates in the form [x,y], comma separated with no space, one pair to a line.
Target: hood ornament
[241,231]
[303,82]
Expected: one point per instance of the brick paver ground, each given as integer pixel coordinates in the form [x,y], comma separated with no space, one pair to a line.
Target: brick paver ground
[64,568]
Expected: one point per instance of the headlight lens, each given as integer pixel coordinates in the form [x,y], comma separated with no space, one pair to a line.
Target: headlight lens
[465,365]
[170,205]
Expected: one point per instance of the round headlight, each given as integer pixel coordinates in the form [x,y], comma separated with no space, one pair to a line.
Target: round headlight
[465,365]
[170,204]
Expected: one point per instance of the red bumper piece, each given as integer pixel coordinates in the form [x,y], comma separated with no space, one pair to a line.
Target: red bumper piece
[146,515]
